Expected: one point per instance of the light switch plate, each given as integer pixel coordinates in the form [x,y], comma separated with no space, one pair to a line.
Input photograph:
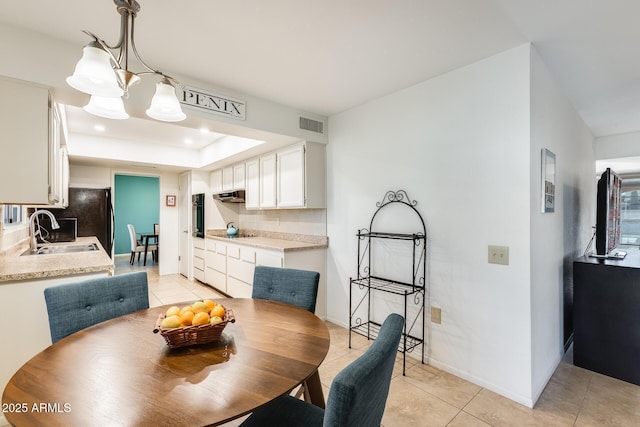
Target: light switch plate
[499,255]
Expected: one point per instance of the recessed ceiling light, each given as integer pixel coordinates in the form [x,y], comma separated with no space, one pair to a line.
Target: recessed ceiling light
[204,131]
[99,128]
[188,141]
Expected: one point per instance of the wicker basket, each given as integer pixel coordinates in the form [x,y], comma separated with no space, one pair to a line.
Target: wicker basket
[194,335]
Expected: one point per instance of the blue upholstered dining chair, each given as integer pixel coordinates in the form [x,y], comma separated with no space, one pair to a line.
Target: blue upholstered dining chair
[291,286]
[357,396]
[76,306]
[288,285]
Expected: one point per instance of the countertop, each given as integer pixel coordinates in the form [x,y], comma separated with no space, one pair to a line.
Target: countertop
[16,267]
[285,242]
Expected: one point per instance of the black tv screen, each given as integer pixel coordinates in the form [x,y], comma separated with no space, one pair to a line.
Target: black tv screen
[608,212]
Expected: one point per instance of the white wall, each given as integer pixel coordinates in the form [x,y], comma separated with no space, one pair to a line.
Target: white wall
[560,237]
[459,144]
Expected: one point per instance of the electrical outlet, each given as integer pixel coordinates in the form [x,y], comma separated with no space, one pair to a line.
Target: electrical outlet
[436,315]
[499,255]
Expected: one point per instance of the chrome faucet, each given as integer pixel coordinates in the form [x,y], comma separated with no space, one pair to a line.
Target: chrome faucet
[33,233]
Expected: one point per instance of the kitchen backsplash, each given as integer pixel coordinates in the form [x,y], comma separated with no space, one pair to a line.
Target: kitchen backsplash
[297,221]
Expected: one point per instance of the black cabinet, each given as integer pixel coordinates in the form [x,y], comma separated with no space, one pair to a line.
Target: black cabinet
[606,316]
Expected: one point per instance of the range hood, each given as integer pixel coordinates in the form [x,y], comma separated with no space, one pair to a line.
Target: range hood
[230,196]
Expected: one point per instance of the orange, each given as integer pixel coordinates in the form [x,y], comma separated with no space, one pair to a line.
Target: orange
[217,310]
[186,318]
[209,303]
[172,311]
[201,318]
[183,309]
[199,306]
[215,320]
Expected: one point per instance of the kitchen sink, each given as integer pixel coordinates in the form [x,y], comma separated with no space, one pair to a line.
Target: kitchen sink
[62,249]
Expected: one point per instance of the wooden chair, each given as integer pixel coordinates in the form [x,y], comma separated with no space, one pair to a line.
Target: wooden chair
[76,306]
[357,396]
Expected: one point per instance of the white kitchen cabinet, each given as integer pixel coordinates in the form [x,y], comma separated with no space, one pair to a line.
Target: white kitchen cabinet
[199,259]
[291,177]
[241,263]
[301,176]
[216,265]
[252,184]
[216,181]
[239,176]
[229,267]
[268,181]
[64,172]
[29,136]
[58,163]
[227,178]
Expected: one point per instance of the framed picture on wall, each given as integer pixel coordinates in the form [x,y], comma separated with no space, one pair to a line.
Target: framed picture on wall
[548,190]
[171,200]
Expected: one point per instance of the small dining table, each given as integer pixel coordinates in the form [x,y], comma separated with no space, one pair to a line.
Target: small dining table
[120,373]
[145,237]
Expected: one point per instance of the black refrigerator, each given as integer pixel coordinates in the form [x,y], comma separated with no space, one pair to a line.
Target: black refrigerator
[94,211]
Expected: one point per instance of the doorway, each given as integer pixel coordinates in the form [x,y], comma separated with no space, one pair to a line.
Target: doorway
[135,202]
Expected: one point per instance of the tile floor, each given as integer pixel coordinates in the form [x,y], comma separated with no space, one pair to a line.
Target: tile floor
[427,396]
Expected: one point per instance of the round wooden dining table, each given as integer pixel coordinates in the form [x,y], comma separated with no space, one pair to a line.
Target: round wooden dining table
[120,373]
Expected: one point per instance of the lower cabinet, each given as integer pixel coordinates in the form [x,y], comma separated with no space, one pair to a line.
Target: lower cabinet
[215,273]
[241,262]
[229,267]
[198,259]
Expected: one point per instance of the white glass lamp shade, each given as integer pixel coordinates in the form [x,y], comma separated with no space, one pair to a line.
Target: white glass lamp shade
[165,105]
[93,73]
[109,107]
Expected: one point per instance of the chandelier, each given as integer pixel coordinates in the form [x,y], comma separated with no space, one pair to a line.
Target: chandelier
[103,72]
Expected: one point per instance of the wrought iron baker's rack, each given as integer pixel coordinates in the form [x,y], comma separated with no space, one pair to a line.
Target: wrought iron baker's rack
[413,334]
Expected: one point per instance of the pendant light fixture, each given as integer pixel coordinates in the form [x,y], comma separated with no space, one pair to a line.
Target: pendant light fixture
[107,78]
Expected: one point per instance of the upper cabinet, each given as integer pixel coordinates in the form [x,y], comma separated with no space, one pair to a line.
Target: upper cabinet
[268,181]
[32,164]
[230,178]
[252,193]
[216,181]
[301,172]
[238,176]
[290,178]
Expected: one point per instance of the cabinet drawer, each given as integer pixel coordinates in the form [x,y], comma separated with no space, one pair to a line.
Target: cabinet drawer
[240,270]
[199,274]
[197,252]
[233,251]
[209,244]
[198,263]
[269,258]
[217,262]
[198,243]
[238,289]
[216,279]
[248,254]
[221,248]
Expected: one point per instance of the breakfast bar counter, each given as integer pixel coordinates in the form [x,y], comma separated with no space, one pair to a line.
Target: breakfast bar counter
[15,266]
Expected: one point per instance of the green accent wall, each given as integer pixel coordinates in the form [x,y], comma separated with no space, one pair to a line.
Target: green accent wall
[137,202]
